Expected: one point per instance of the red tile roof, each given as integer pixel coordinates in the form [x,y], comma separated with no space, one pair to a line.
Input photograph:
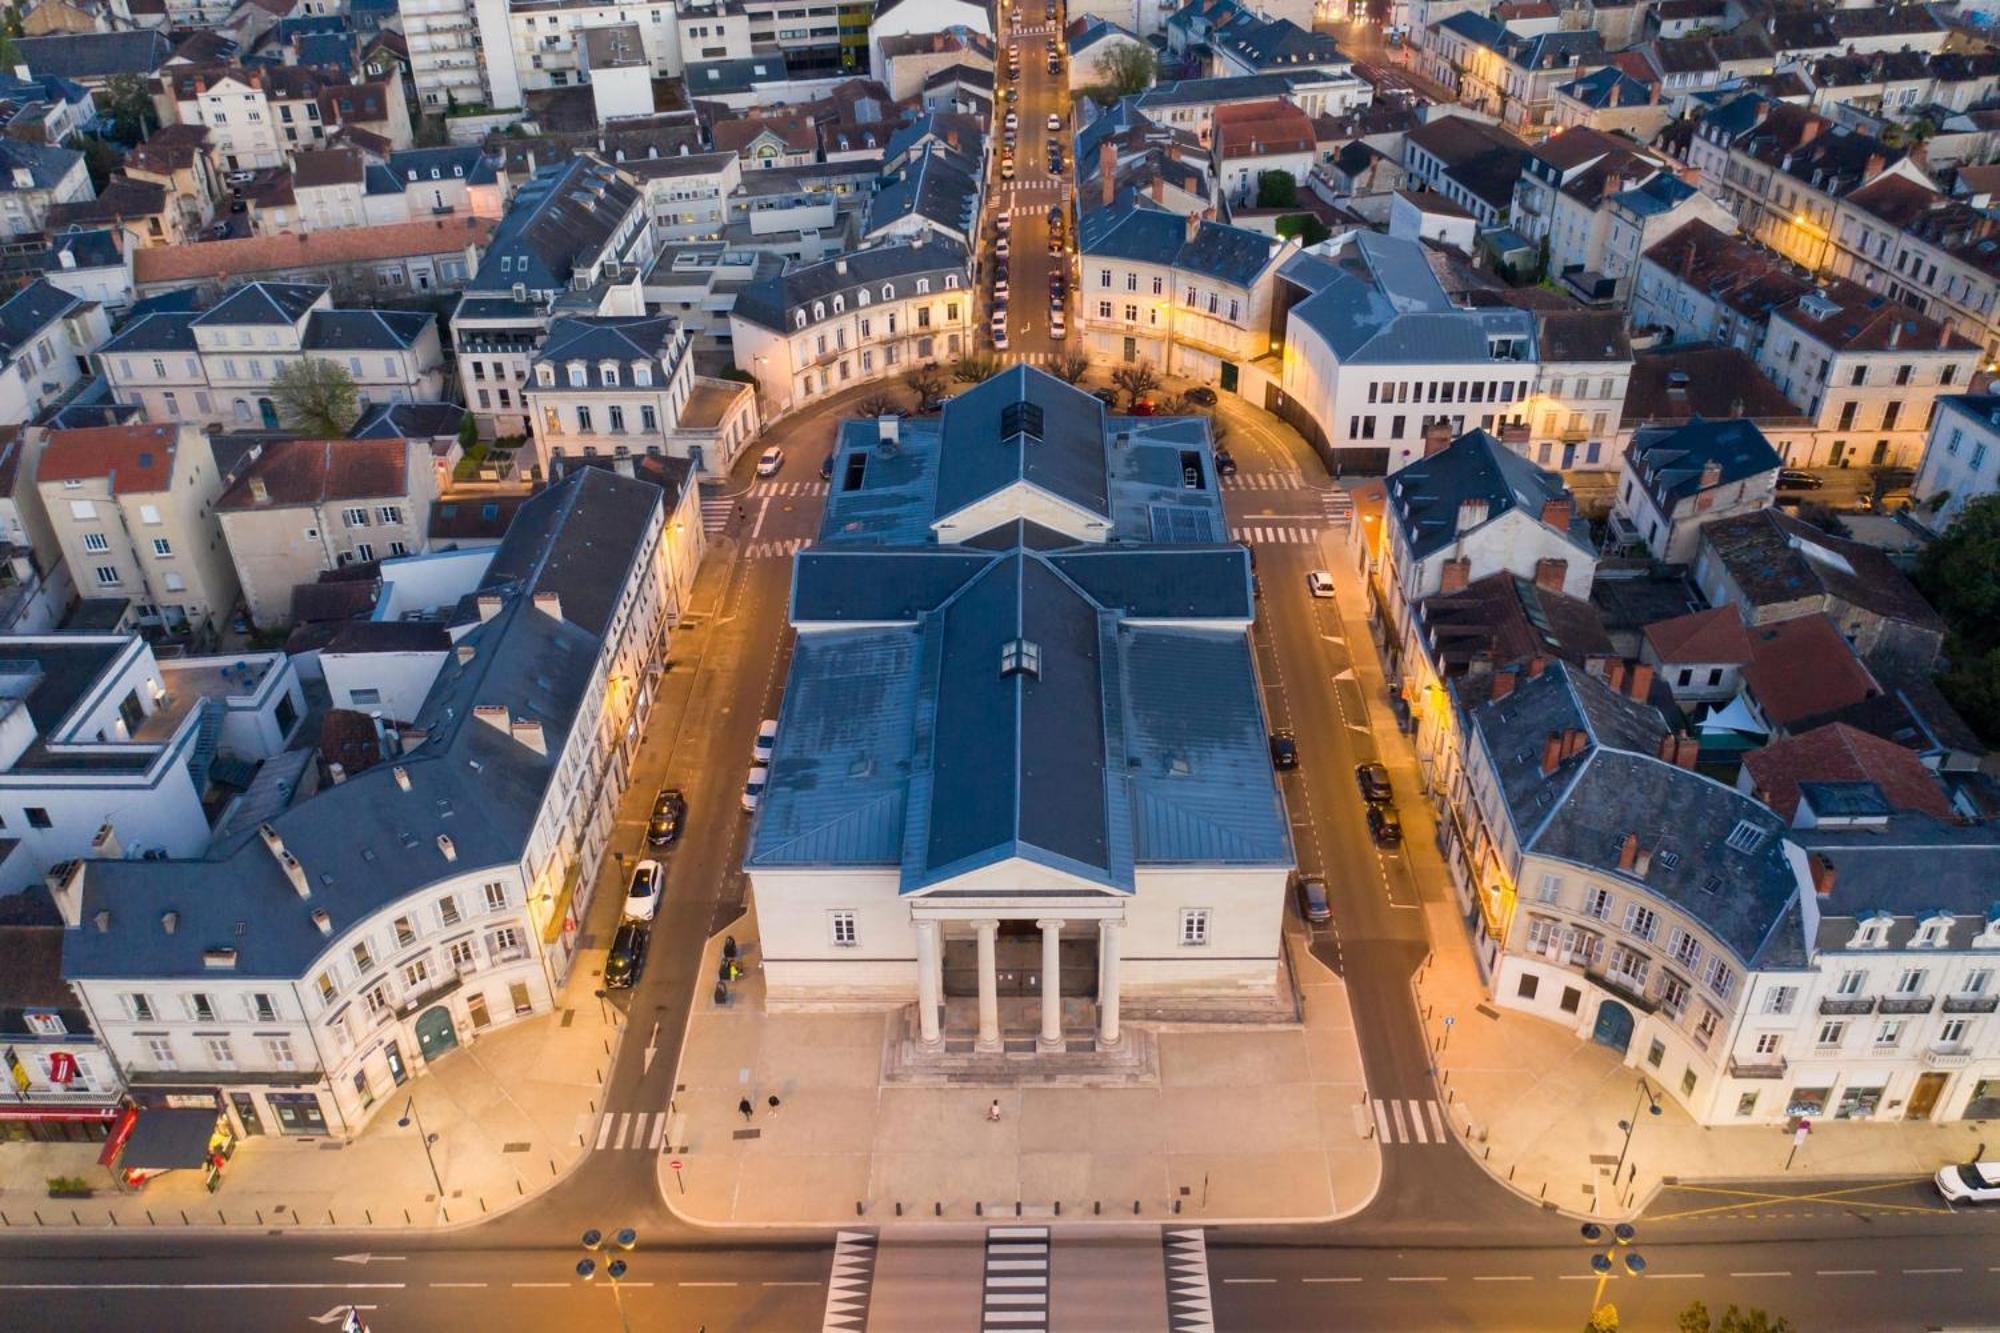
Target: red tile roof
[1704,636]
[251,256]
[1255,129]
[1840,753]
[1802,668]
[138,460]
[305,472]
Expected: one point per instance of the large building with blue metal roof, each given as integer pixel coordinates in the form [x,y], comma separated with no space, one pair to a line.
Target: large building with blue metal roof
[1022,744]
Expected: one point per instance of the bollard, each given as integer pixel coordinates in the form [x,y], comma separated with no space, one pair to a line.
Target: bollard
[1545,1189]
[482,1203]
[329,1218]
[406,1218]
[369,1213]
[1510,1171]
[899,1207]
[184,1218]
[1058,1207]
[978,1208]
[857,1208]
[220,1218]
[520,1187]
[444,1212]
[111,1217]
[1097,1208]
[552,1166]
[937,1209]
[260,1216]
[1017,1207]
[1135,1207]
[38,1217]
[152,1222]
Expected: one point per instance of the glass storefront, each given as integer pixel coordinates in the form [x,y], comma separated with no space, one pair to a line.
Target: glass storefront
[297,1112]
[1985,1102]
[1808,1101]
[1858,1103]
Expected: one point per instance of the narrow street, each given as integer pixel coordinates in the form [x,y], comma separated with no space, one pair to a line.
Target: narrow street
[1030,30]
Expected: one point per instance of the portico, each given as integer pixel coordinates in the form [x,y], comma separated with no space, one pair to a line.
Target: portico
[1017,955]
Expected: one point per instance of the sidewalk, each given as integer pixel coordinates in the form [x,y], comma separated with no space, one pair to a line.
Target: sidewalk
[1244,1123]
[506,1109]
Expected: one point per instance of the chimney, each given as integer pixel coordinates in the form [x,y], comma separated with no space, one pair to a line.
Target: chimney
[1642,863]
[65,882]
[840,265]
[888,430]
[1471,513]
[1944,337]
[1556,513]
[1455,575]
[528,731]
[1614,676]
[1536,666]
[1158,188]
[1687,752]
[1552,752]
[321,921]
[447,847]
[1503,685]
[1107,169]
[105,846]
[489,606]
[1711,477]
[1437,437]
[1549,574]
[495,716]
[1822,874]
[549,604]
[1629,852]
[1642,680]
[259,492]
[1574,739]
[336,773]
[1670,748]
[170,921]
[1810,130]
[402,777]
[1193,225]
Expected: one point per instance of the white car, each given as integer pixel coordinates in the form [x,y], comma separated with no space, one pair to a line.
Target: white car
[1005,223]
[1319,583]
[1055,123]
[770,461]
[1000,248]
[767,736]
[1013,121]
[1973,1182]
[642,898]
[1056,329]
[753,790]
[1000,335]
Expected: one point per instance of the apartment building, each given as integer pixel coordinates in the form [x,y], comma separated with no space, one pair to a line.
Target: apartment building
[1473,164]
[298,508]
[1907,240]
[216,365]
[1704,284]
[1674,479]
[1504,74]
[446,60]
[820,328]
[403,913]
[255,117]
[1187,296]
[1378,358]
[47,335]
[1583,370]
[133,510]
[1961,459]
[37,178]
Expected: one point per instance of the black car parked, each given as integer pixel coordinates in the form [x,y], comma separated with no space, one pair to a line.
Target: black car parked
[1201,396]
[669,813]
[1373,779]
[627,958]
[1284,751]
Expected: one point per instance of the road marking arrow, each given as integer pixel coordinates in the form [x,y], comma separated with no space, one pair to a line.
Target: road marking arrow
[652,1048]
[338,1314]
[366,1258]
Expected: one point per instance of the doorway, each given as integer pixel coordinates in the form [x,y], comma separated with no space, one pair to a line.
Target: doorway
[1017,961]
[1229,377]
[475,1005]
[246,1114]
[1614,1026]
[268,411]
[397,1069]
[1924,1096]
[435,1033]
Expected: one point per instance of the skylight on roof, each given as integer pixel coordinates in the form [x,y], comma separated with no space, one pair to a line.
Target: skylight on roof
[1021,657]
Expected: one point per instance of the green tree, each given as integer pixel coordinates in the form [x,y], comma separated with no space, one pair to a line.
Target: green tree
[1604,1319]
[1070,367]
[1137,380]
[1695,1319]
[468,433]
[1277,189]
[1124,68]
[1960,573]
[125,100]
[1309,229]
[100,159]
[316,398]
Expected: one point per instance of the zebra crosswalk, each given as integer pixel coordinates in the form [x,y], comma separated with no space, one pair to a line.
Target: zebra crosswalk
[1190,1305]
[1042,184]
[774,550]
[1028,358]
[1016,1298]
[849,1284]
[1263,481]
[715,514]
[1337,504]
[1415,1122]
[1274,535]
[773,488]
[631,1131]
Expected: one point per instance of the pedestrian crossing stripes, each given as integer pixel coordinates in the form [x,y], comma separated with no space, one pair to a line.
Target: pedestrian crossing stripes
[1337,505]
[847,1287]
[715,515]
[1263,481]
[1028,358]
[630,1131]
[1016,1299]
[775,550]
[1190,1307]
[766,488]
[1043,183]
[1417,1123]
[1274,536]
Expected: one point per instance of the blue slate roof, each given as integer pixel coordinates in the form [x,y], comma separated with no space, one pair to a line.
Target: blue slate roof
[561,220]
[887,270]
[709,78]
[27,312]
[1607,87]
[1476,28]
[92,248]
[1662,193]
[1378,301]
[366,844]
[1616,785]
[1670,459]
[936,186]
[1279,44]
[263,303]
[1229,88]
[94,55]
[1062,452]
[1146,234]
[154,331]
[596,339]
[1425,495]
[45,166]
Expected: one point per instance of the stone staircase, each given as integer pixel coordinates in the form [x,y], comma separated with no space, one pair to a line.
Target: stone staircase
[1135,1063]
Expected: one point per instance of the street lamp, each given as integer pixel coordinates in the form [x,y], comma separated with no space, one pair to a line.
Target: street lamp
[1652,1105]
[1603,1264]
[404,1121]
[586,1268]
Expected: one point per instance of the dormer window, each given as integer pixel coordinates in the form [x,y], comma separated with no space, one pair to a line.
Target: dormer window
[862,296]
[1873,934]
[923,286]
[609,371]
[819,311]
[1934,933]
[1021,657]
[579,376]
[642,373]
[799,319]
[547,375]
[951,280]
[888,292]
[1745,837]
[839,304]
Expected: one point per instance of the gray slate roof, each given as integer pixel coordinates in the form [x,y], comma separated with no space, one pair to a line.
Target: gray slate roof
[560,221]
[616,338]
[1669,459]
[1380,303]
[934,186]
[95,55]
[889,271]
[263,303]
[1061,451]
[46,166]
[366,844]
[365,330]
[27,312]
[1425,496]
[1909,867]
[1150,235]
[163,331]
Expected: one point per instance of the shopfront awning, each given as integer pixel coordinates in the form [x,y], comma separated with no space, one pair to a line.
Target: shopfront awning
[169,1140]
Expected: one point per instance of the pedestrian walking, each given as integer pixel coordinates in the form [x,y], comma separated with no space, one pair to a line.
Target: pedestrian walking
[744,1107]
[993,1111]
[773,1103]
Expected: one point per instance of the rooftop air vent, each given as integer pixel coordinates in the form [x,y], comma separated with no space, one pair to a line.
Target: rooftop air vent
[322,921]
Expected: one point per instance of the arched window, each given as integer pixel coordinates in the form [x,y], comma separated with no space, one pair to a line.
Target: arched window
[862,296]
[951,279]
[923,286]
[799,319]
[819,311]
[888,292]
[839,304]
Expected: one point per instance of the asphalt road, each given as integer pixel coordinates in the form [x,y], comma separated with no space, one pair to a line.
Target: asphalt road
[1035,189]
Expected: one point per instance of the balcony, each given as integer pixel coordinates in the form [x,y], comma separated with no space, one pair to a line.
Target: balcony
[1621,986]
[1863,1004]
[1947,1057]
[1971,1004]
[1908,1004]
[1761,1068]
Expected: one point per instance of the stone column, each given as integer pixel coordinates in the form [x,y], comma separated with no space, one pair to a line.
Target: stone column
[989,988]
[927,985]
[1052,1037]
[1107,985]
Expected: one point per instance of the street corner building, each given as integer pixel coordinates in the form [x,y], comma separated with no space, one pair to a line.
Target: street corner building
[1022,751]
[319,948]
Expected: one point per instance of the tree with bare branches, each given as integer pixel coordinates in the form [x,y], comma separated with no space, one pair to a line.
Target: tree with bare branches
[879,405]
[1070,367]
[928,385]
[1137,380]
